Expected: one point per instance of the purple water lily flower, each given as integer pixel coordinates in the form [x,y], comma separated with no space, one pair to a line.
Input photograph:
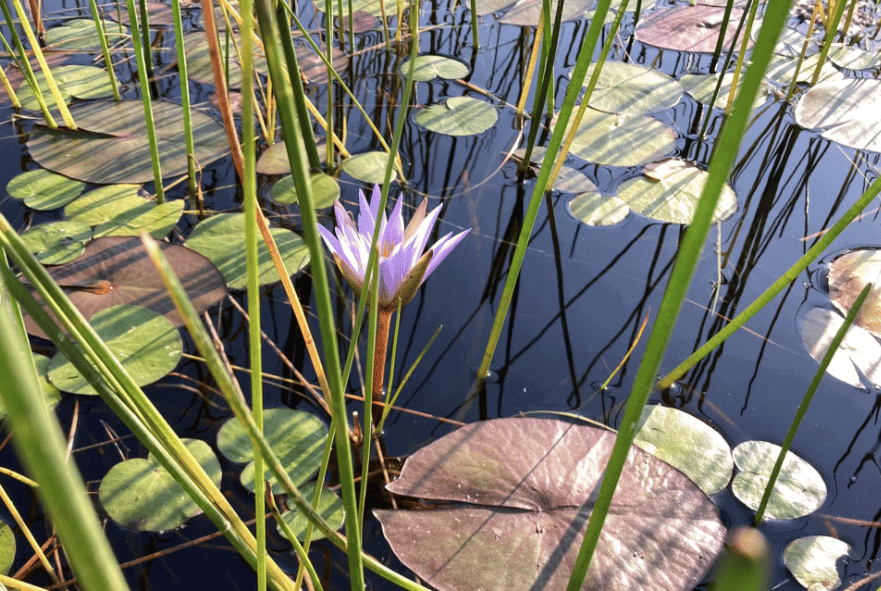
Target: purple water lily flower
[402,264]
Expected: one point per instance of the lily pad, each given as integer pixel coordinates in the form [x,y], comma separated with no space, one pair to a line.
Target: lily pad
[79,34]
[674,198]
[140,494]
[111,145]
[595,209]
[115,270]
[362,22]
[199,59]
[844,111]
[374,7]
[811,560]
[159,14]
[790,43]
[296,437]
[57,242]
[572,180]
[859,352]
[325,190]
[632,89]
[7,548]
[782,69]
[702,86]
[146,343]
[429,67]
[798,491]
[616,140]
[368,167]
[313,67]
[688,28]
[221,238]
[118,210]
[44,190]
[523,490]
[82,82]
[848,275]
[459,115]
[330,507]
[526,13]
[854,58]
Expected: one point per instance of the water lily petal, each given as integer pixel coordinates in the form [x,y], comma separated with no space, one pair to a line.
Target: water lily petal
[423,232]
[366,216]
[416,220]
[329,239]
[394,232]
[391,275]
[442,248]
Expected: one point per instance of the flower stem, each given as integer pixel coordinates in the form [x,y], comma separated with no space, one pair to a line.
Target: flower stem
[383,327]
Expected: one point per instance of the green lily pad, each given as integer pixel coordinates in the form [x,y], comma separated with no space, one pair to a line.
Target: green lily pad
[848,275]
[811,560]
[674,198]
[632,89]
[7,548]
[798,491]
[595,209]
[459,115]
[51,395]
[373,7]
[140,494]
[782,69]
[687,443]
[617,140]
[296,437]
[429,67]
[146,343]
[325,190]
[368,167]
[572,180]
[119,210]
[57,242]
[854,58]
[702,86]
[844,111]
[111,145]
[858,351]
[221,238]
[687,28]
[44,190]
[526,13]
[330,507]
[82,82]
[274,160]
[79,34]
[199,59]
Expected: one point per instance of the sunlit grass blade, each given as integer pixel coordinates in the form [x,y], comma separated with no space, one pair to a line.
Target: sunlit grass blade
[184,96]
[741,56]
[24,65]
[829,39]
[105,47]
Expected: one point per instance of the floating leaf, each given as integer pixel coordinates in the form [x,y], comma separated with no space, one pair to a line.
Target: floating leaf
[158,14]
[790,43]
[330,507]
[523,490]
[57,242]
[595,209]
[146,343]
[674,199]
[526,13]
[854,58]
[83,82]
[119,210]
[848,275]
[314,68]
[429,67]
[116,270]
[616,140]
[844,111]
[111,145]
[374,7]
[325,190]
[368,167]
[687,28]
[363,22]
[687,443]
[782,69]
[221,238]
[702,86]
[7,548]
[199,59]
[798,491]
[459,115]
[296,437]
[44,190]
[811,560]
[571,180]
[80,34]
[858,351]
[140,494]
[632,89]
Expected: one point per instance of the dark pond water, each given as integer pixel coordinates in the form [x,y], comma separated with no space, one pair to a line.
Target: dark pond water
[583,295]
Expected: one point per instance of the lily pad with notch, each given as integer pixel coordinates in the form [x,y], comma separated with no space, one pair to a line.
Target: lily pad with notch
[812,561]
[429,67]
[858,356]
[115,270]
[617,140]
[44,190]
[140,494]
[521,491]
[854,58]
[111,145]
[782,69]
[221,238]
[325,190]
[458,116]
[146,343]
[57,243]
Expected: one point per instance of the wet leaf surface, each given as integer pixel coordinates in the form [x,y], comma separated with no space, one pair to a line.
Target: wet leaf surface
[82,82]
[859,352]
[522,490]
[812,561]
[687,28]
[702,86]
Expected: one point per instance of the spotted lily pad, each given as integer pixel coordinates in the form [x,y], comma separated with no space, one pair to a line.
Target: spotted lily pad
[522,490]
[595,209]
[296,437]
[57,242]
[140,494]
[116,270]
[687,443]
[844,111]
[330,507]
[848,275]
[688,28]
[368,167]
[429,67]
[221,238]
[325,190]
[859,352]
[811,560]
[459,115]
[44,190]
[632,89]
[111,145]
[146,343]
[798,491]
[616,140]
[79,34]
[673,199]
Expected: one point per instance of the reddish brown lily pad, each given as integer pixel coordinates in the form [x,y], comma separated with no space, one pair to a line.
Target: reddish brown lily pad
[115,270]
[687,28]
[524,489]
